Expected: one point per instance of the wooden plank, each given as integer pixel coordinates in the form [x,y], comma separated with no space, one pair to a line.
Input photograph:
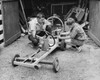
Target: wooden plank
[12,39]
[94,19]
[94,38]
[11,21]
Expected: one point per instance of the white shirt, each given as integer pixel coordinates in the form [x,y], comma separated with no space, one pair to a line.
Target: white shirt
[34,25]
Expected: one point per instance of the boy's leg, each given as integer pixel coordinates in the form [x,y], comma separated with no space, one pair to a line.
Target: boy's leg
[48,28]
[77,44]
[40,33]
[34,40]
[68,43]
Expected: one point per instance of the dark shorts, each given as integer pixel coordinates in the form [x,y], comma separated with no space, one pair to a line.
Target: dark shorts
[77,42]
[35,41]
[40,33]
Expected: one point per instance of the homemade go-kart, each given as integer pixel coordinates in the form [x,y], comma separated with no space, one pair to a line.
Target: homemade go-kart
[46,46]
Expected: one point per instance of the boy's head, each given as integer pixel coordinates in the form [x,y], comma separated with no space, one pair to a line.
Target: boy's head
[40,17]
[70,22]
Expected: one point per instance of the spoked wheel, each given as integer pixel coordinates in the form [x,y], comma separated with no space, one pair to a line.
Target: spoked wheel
[56,65]
[16,56]
[57,24]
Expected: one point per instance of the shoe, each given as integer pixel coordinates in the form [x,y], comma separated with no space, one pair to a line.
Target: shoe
[71,48]
[68,46]
[30,44]
[79,49]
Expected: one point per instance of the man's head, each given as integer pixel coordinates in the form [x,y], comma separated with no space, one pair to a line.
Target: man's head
[40,17]
[70,22]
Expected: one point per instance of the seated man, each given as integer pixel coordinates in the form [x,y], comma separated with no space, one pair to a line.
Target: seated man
[36,27]
[76,34]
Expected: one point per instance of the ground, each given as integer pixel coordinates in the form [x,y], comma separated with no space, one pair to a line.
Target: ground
[73,65]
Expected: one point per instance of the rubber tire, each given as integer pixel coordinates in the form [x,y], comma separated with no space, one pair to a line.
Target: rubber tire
[56,65]
[63,46]
[16,56]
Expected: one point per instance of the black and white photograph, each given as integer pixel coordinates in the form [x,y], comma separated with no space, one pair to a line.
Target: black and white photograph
[49,39]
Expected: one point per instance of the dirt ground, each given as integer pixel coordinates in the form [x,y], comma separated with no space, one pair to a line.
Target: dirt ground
[73,65]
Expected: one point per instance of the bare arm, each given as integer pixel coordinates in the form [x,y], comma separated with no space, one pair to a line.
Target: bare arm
[83,24]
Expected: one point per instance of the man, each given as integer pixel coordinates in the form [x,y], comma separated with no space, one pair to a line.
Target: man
[76,34]
[37,26]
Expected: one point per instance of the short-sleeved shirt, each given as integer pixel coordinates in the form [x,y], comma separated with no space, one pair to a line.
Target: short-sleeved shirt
[77,32]
[34,25]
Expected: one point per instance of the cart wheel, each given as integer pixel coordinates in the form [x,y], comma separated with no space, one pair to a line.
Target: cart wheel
[16,56]
[56,65]
[63,46]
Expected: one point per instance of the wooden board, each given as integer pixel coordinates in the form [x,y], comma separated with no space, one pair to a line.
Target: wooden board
[94,19]
[10,21]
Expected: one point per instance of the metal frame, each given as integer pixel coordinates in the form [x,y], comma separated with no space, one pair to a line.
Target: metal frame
[61,4]
[33,62]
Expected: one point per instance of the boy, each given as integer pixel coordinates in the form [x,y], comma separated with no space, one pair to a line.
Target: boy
[76,34]
[36,27]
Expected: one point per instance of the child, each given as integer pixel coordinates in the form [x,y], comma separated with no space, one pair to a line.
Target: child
[76,34]
[37,25]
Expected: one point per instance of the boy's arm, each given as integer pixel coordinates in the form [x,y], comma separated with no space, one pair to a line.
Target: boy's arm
[46,23]
[68,33]
[83,24]
[73,33]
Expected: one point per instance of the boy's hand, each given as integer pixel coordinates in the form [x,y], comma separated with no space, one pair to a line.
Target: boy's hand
[86,22]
